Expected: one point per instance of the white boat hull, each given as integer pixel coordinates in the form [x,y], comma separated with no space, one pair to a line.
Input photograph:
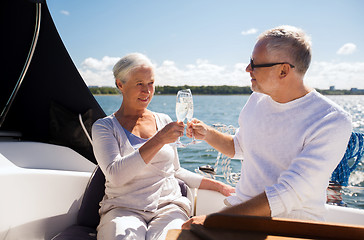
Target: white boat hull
[42,187]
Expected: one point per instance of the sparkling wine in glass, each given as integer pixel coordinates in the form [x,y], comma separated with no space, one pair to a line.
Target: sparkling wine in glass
[182,99]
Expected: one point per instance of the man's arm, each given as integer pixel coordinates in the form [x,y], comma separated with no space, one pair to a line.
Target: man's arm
[257,206]
[222,142]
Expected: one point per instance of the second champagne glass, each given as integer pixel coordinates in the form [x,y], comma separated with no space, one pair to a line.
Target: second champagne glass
[181,110]
[190,115]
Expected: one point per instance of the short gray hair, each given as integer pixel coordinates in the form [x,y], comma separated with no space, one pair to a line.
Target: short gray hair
[133,60]
[292,42]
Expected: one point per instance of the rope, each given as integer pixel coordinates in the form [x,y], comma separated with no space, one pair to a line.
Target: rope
[354,153]
[84,128]
[222,160]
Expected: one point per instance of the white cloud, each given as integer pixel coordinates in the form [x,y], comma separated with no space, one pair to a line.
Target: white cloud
[342,75]
[64,12]
[346,49]
[104,64]
[98,72]
[201,73]
[250,31]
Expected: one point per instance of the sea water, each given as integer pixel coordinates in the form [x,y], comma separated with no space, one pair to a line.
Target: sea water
[225,109]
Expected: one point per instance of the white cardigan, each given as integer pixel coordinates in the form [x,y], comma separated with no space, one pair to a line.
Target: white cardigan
[130,182]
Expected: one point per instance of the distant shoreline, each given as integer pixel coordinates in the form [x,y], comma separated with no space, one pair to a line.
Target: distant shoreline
[215,90]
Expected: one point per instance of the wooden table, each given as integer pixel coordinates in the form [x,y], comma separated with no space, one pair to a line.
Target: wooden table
[177,234]
[231,227]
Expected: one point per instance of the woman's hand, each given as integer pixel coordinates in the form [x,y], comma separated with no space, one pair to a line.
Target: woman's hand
[226,190]
[171,132]
[168,134]
[199,129]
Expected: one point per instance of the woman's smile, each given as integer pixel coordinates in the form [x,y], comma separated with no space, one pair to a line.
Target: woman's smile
[145,99]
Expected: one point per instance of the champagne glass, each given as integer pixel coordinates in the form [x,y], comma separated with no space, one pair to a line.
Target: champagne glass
[190,115]
[183,97]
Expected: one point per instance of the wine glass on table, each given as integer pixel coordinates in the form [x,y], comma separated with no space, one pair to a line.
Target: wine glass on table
[182,99]
[190,115]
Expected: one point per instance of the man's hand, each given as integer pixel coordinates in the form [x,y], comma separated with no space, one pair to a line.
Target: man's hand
[194,220]
[196,128]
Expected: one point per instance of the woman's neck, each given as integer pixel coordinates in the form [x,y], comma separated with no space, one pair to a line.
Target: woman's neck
[129,112]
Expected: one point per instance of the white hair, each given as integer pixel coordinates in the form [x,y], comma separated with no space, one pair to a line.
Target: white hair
[290,41]
[133,60]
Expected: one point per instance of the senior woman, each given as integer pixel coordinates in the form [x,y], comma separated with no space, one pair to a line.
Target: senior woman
[134,149]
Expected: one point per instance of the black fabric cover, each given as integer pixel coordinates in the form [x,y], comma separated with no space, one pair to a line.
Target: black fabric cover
[52,75]
[183,187]
[65,129]
[88,214]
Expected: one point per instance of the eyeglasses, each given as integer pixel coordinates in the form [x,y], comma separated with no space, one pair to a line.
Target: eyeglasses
[266,64]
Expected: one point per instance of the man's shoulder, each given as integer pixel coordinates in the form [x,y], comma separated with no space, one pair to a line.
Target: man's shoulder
[257,97]
[329,104]
[331,112]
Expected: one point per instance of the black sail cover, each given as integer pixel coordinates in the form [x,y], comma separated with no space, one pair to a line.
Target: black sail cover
[53,93]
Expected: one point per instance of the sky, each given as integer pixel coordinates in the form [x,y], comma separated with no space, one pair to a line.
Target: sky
[209,42]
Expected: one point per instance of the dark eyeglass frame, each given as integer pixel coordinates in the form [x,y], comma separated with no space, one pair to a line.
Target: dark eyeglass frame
[252,65]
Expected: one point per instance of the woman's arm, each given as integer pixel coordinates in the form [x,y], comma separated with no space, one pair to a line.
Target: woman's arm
[120,166]
[211,184]
[195,180]
[168,134]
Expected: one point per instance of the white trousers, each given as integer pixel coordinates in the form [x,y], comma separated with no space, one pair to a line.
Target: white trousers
[123,223]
